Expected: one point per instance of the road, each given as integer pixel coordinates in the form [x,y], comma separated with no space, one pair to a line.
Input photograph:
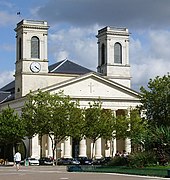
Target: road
[60,173]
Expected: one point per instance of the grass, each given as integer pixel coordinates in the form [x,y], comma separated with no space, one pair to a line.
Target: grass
[159,171]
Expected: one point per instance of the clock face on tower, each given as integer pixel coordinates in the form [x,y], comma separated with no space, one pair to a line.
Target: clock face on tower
[35,67]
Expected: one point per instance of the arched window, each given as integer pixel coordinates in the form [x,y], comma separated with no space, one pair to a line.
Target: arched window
[118,53]
[103,54]
[19,50]
[35,49]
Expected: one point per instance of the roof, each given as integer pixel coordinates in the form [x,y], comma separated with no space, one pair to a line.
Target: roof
[63,67]
[9,87]
[4,96]
[68,67]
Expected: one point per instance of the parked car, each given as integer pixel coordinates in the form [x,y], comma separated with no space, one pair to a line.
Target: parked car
[64,161]
[75,161]
[68,161]
[102,161]
[85,160]
[30,161]
[45,161]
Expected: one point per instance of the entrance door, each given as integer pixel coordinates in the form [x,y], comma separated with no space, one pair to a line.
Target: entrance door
[75,148]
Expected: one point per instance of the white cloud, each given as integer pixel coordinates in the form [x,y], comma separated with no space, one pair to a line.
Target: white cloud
[7,47]
[6,77]
[6,4]
[76,44]
[7,18]
[150,59]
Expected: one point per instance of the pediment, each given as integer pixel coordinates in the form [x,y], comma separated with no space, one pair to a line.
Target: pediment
[93,85]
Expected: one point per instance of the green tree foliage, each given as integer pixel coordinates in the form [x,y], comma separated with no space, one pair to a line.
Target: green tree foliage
[156,103]
[156,100]
[59,118]
[98,123]
[121,127]
[55,115]
[138,128]
[76,121]
[12,128]
[158,141]
[36,114]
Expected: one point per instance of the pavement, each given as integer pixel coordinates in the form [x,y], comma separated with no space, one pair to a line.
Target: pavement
[60,173]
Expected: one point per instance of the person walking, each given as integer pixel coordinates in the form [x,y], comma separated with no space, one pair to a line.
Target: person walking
[17,160]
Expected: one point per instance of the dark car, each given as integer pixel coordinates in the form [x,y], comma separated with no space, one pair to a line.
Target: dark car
[85,160]
[68,161]
[64,161]
[46,161]
[102,161]
[75,161]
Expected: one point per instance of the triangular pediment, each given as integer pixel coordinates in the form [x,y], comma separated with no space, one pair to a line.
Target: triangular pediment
[92,85]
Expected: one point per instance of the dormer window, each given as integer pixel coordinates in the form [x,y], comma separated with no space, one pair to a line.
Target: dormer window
[118,53]
[35,49]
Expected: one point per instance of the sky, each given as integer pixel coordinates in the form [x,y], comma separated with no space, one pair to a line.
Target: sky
[73,29]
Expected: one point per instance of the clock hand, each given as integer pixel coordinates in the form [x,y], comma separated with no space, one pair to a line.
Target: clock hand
[37,67]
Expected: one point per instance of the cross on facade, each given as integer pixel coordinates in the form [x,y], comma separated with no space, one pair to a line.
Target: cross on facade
[91,87]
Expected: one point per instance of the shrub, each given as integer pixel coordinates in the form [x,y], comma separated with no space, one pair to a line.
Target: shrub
[118,161]
[142,159]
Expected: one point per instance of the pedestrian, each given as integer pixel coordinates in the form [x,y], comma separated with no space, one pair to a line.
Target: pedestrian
[17,160]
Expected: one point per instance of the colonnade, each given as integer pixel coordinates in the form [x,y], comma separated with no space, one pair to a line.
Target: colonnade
[102,148]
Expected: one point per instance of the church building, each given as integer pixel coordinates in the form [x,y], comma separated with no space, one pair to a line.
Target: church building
[111,83]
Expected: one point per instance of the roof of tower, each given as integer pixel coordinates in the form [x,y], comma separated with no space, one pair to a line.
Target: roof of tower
[32,24]
[113,31]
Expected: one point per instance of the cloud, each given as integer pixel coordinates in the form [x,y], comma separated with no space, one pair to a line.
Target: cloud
[7,18]
[74,24]
[131,13]
[149,59]
[7,47]
[6,77]
[76,44]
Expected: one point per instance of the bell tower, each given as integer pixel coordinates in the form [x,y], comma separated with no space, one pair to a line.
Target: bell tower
[113,54]
[31,54]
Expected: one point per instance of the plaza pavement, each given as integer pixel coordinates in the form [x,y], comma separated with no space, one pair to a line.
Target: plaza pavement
[60,173]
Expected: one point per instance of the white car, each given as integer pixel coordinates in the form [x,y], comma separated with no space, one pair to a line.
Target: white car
[33,161]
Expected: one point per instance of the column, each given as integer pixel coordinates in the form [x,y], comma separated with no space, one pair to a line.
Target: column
[114,147]
[128,145]
[127,140]
[108,149]
[35,147]
[50,152]
[98,149]
[83,148]
[67,148]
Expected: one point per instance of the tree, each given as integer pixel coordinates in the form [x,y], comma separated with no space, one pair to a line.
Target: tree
[55,115]
[76,121]
[138,128]
[36,114]
[12,127]
[121,127]
[156,101]
[98,123]
[156,104]
[58,128]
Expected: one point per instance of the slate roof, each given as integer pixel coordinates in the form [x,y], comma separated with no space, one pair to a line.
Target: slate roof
[4,96]
[9,87]
[66,66]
